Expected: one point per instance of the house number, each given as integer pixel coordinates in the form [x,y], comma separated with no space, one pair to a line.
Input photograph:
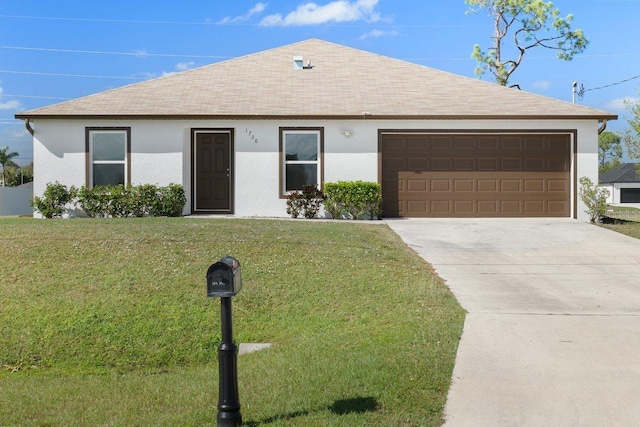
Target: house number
[253,137]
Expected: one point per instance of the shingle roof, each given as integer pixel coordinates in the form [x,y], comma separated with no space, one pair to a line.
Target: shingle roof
[628,172]
[343,82]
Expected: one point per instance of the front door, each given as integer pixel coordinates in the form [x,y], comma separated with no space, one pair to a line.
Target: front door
[212,183]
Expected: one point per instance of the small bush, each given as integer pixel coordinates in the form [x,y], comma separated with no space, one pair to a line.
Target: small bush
[120,202]
[91,201]
[353,199]
[306,202]
[594,198]
[171,200]
[335,199]
[149,200]
[53,202]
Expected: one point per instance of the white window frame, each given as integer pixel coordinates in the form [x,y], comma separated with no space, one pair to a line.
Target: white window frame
[319,132]
[90,133]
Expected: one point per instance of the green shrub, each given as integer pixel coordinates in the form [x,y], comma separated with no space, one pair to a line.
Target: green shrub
[149,203]
[594,198]
[335,198]
[353,199]
[126,201]
[171,200]
[120,203]
[93,201]
[53,202]
[106,201]
[306,202]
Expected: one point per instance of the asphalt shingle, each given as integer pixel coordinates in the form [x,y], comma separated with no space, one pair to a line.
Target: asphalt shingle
[628,172]
[343,82]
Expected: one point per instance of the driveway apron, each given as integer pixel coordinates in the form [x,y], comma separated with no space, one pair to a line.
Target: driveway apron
[552,334]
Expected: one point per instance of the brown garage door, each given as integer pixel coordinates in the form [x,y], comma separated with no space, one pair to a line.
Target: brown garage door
[461,175]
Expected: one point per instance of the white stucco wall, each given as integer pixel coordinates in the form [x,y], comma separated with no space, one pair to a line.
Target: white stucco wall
[160,152]
[614,190]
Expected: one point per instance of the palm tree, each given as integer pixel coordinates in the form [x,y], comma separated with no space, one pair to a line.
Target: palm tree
[6,158]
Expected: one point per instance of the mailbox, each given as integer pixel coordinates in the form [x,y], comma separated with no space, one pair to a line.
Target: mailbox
[224,278]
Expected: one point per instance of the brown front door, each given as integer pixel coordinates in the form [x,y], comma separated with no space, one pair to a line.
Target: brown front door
[212,181]
[476,175]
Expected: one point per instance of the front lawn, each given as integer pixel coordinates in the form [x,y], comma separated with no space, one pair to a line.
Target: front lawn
[106,322]
[625,220]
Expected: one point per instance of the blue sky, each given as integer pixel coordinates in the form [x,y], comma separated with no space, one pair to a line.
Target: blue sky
[51,51]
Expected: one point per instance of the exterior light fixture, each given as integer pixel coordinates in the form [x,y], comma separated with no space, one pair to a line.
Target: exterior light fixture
[347,133]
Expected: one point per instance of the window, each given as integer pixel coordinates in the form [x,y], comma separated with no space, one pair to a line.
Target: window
[108,156]
[301,151]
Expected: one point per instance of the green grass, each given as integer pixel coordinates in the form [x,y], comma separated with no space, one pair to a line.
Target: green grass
[625,220]
[106,322]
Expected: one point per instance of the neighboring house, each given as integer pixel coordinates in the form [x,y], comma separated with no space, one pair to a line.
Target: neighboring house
[240,134]
[623,183]
[16,200]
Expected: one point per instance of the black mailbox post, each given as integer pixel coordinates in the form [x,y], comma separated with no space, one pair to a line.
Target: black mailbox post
[224,280]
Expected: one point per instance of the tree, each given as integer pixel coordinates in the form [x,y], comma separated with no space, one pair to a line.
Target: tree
[632,136]
[16,175]
[5,160]
[609,151]
[532,23]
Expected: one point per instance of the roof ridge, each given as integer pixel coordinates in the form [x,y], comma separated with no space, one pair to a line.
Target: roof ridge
[344,82]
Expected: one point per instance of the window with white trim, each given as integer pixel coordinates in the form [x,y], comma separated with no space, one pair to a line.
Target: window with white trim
[108,156]
[301,152]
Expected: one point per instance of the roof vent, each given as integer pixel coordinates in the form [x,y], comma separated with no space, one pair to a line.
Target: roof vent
[298,64]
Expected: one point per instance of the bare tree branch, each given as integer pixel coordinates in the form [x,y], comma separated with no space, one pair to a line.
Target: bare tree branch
[531,22]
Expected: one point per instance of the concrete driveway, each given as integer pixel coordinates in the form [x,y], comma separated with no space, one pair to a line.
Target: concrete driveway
[552,337]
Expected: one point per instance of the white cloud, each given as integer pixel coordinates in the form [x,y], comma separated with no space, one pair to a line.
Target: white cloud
[336,11]
[271,21]
[183,66]
[541,85]
[9,105]
[19,133]
[140,52]
[378,33]
[145,75]
[620,103]
[258,8]
[179,67]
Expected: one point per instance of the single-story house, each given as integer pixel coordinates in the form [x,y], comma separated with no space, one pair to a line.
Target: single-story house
[241,134]
[623,183]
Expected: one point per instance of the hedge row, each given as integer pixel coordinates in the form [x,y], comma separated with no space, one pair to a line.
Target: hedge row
[112,201]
